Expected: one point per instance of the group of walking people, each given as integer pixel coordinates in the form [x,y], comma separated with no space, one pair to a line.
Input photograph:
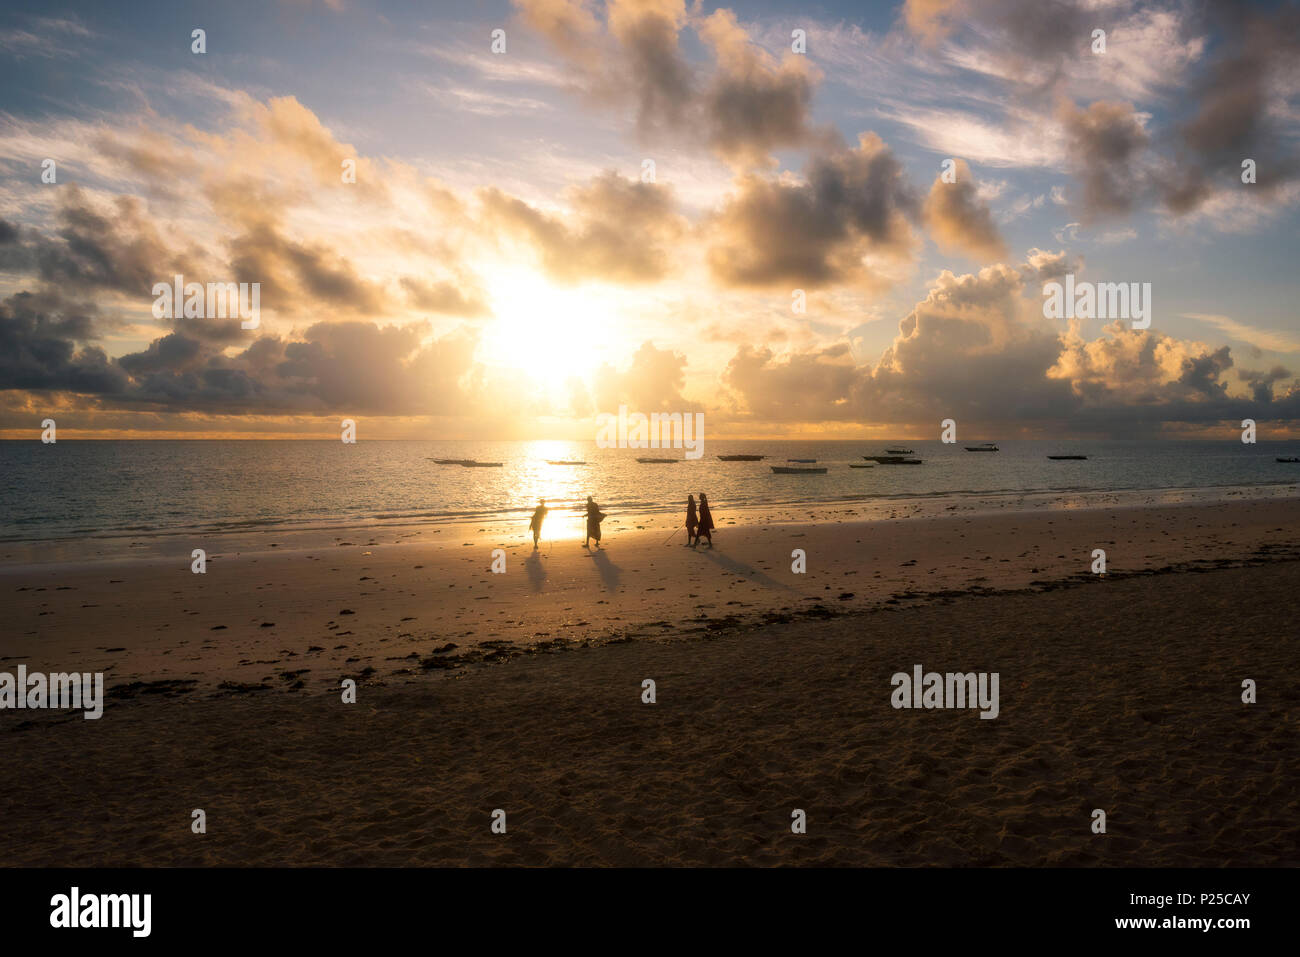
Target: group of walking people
[699,523]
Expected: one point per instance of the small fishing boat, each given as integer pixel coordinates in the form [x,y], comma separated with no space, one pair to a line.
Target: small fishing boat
[1060,458]
[988,447]
[891,460]
[786,470]
[451,461]
[742,458]
[900,451]
[1291,458]
[862,465]
[471,464]
[804,461]
[563,462]
[656,461]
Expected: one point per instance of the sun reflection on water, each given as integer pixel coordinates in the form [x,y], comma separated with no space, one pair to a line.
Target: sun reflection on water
[565,487]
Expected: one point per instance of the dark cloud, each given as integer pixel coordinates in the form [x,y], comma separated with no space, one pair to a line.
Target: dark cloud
[1105,141]
[1249,86]
[39,337]
[345,367]
[92,250]
[854,202]
[1261,383]
[297,277]
[742,105]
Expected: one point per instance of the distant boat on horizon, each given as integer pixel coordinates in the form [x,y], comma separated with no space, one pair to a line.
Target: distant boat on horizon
[986,447]
[742,458]
[656,461]
[805,461]
[901,451]
[1290,458]
[891,460]
[563,462]
[787,470]
[1063,457]
[468,463]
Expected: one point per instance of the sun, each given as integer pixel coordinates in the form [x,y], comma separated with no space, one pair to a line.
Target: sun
[545,332]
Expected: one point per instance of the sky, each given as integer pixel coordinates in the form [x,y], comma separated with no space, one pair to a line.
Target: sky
[739,209]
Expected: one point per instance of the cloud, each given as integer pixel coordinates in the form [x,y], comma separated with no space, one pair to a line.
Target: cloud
[652,382]
[116,247]
[1261,383]
[1105,142]
[445,297]
[959,220]
[620,230]
[977,349]
[853,202]
[742,105]
[40,335]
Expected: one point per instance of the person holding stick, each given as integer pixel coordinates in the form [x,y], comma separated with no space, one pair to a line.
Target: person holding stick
[706,526]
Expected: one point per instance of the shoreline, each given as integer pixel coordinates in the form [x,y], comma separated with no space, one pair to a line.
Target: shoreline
[307,615]
[108,545]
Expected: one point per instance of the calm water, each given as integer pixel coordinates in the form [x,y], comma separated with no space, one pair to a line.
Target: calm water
[109,488]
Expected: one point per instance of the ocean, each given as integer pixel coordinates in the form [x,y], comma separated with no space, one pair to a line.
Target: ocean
[106,489]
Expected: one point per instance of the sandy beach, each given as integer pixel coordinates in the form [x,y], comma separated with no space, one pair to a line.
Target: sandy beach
[522,691]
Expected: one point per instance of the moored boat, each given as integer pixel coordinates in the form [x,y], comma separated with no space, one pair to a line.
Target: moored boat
[656,461]
[787,470]
[987,447]
[742,458]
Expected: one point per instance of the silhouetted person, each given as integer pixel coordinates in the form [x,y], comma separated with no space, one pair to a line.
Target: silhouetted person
[594,517]
[692,521]
[706,521]
[538,517]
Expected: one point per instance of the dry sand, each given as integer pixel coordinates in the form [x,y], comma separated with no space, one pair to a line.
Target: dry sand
[773,694]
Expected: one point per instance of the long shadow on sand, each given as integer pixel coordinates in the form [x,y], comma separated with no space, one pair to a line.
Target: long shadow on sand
[609,572]
[744,571]
[536,569]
